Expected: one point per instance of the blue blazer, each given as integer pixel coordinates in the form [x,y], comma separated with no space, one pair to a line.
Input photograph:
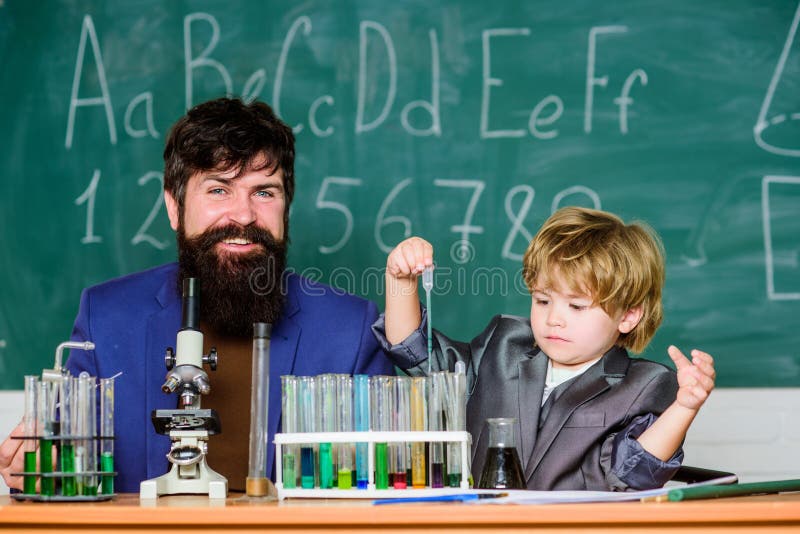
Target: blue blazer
[132,320]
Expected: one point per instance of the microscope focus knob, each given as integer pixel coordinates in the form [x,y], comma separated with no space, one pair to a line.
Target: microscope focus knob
[169,359]
[211,359]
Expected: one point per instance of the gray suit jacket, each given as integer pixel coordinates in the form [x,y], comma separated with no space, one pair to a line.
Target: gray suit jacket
[588,440]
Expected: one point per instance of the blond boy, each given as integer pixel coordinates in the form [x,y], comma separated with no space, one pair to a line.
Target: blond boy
[590,417]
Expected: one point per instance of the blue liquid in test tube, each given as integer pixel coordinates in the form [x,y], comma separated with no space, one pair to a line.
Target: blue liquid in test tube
[361,386]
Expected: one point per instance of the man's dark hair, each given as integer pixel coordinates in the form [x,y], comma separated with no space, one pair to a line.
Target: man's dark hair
[226,134]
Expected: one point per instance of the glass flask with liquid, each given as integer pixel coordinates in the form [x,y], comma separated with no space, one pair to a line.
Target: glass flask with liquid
[502,469]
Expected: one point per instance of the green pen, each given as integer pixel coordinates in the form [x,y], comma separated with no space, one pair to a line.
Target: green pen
[732,490]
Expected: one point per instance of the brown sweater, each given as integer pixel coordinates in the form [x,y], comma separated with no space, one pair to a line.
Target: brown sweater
[230,397]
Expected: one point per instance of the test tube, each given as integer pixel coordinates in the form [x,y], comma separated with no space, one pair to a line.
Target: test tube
[436,419]
[456,409]
[76,425]
[326,414]
[46,420]
[85,452]
[344,423]
[308,411]
[380,396]
[419,423]
[107,433]
[30,433]
[402,423]
[66,411]
[256,482]
[289,416]
[427,285]
[361,405]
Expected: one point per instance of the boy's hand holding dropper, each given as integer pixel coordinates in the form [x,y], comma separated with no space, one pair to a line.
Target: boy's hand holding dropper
[403,266]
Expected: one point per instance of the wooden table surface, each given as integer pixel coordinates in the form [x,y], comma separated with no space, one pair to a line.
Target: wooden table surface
[764,513]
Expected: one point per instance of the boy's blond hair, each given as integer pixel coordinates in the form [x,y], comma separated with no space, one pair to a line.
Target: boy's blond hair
[595,253]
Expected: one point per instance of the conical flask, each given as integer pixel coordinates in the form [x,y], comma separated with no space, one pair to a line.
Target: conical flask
[502,469]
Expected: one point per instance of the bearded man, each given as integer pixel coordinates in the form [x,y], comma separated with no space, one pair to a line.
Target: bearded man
[228,184]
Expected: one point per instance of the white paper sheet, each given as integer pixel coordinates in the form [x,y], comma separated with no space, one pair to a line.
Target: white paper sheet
[559,497]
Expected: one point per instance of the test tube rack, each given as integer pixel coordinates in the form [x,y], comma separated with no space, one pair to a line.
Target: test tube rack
[61,475]
[370,437]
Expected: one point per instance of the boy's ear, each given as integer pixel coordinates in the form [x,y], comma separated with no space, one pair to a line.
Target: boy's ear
[630,319]
[172,209]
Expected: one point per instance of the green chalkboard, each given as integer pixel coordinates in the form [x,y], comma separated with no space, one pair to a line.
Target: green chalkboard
[466,122]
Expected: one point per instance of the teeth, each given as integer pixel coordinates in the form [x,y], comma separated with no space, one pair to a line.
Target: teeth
[237,241]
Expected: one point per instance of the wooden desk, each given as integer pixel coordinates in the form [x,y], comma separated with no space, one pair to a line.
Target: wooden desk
[767,513]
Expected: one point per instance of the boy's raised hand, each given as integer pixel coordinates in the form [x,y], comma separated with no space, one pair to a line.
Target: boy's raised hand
[695,377]
[409,258]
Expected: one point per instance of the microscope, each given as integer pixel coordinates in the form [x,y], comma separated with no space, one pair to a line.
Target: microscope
[188,426]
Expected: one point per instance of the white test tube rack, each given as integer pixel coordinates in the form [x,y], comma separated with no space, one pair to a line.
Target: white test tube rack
[370,437]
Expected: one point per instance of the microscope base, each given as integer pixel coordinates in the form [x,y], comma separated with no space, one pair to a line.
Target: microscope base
[172,483]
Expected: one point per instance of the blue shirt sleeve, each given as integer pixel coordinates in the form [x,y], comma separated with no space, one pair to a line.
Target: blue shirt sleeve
[410,352]
[633,466]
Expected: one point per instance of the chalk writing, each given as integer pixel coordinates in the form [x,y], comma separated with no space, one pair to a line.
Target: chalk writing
[141,233]
[383,221]
[337,206]
[75,101]
[769,260]
[762,123]
[88,197]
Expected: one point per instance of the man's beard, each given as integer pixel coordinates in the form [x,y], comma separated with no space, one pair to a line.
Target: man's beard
[236,289]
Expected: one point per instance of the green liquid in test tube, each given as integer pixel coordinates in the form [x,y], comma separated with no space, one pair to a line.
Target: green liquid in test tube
[344,423]
[46,413]
[380,395]
[29,432]
[325,466]
[289,420]
[66,401]
[85,450]
[68,484]
[455,409]
[326,413]
[107,433]
[381,466]
[29,483]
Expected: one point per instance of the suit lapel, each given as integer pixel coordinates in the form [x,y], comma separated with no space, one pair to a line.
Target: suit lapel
[531,386]
[283,350]
[593,382]
[162,328]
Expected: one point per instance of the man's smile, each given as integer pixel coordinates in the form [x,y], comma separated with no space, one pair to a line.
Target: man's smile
[237,245]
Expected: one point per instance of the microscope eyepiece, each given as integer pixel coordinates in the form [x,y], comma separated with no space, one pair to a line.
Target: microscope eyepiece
[191,304]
